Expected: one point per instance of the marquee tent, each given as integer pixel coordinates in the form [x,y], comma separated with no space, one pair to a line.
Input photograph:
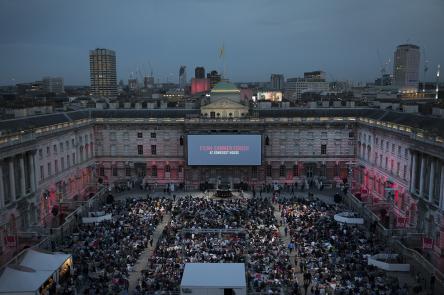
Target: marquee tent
[19,280]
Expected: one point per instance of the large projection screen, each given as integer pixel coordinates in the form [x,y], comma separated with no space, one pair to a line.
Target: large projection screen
[217,150]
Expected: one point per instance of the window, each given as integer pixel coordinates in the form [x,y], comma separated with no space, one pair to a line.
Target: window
[295,170]
[399,150]
[102,171]
[406,153]
[393,148]
[127,171]
[140,149]
[386,162]
[167,169]
[40,154]
[376,140]
[380,160]
[42,173]
[61,147]
[139,135]
[73,158]
[282,171]
[73,143]
[86,138]
[398,169]
[114,171]
[269,170]
[62,162]
[54,147]
[154,171]
[376,158]
[49,169]
[153,135]
[56,166]
[351,134]
[112,136]
[392,166]
[48,151]
[67,144]
[382,144]
[153,149]
[387,146]
[180,169]
[323,149]
[404,175]
[67,161]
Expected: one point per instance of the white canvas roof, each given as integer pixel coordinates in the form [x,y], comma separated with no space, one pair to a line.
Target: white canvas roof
[220,275]
[44,261]
[14,280]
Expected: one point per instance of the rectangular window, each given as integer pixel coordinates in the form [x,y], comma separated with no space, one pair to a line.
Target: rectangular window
[404,173]
[323,149]
[254,172]
[392,166]
[295,170]
[386,162]
[351,135]
[67,145]
[153,149]
[62,162]
[398,169]
[393,148]
[380,160]
[114,171]
[154,171]
[54,147]
[140,149]
[387,146]
[382,144]
[399,150]
[48,151]
[282,171]
[153,135]
[102,171]
[61,147]
[406,153]
[40,154]
[112,136]
[269,170]
[73,158]
[139,135]
[49,169]
[56,166]
[68,163]
[167,168]
[42,173]
[128,171]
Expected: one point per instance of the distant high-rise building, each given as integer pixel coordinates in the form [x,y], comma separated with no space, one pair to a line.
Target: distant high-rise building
[53,85]
[277,81]
[199,73]
[312,82]
[102,65]
[214,77]
[148,82]
[182,76]
[406,67]
[133,84]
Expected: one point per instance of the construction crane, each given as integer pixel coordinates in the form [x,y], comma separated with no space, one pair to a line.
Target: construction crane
[437,83]
[426,68]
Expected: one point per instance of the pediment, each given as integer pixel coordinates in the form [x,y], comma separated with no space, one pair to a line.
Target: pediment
[224,103]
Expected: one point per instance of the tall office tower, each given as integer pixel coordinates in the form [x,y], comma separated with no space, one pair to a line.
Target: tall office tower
[214,78]
[53,85]
[406,67]
[102,66]
[199,73]
[312,82]
[182,76]
[277,81]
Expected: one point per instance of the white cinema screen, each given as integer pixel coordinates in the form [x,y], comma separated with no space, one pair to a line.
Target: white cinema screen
[216,150]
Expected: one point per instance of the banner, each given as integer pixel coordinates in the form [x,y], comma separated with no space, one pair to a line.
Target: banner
[427,243]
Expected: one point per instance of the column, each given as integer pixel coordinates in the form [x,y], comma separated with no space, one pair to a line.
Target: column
[2,191]
[12,179]
[421,179]
[431,180]
[31,171]
[22,175]
[413,173]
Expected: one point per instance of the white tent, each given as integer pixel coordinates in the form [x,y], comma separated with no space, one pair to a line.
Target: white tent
[44,261]
[214,279]
[20,280]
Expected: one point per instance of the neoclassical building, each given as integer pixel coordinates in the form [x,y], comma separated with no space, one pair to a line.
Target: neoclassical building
[391,158]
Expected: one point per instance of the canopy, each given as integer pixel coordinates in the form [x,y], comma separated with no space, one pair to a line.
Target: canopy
[44,261]
[17,280]
[216,275]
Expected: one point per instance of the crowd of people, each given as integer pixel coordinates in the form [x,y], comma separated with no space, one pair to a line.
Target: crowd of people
[333,256]
[105,253]
[220,231]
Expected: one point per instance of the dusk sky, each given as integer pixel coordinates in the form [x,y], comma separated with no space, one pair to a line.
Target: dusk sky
[341,37]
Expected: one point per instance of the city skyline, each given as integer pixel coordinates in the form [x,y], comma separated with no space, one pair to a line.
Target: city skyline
[338,38]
